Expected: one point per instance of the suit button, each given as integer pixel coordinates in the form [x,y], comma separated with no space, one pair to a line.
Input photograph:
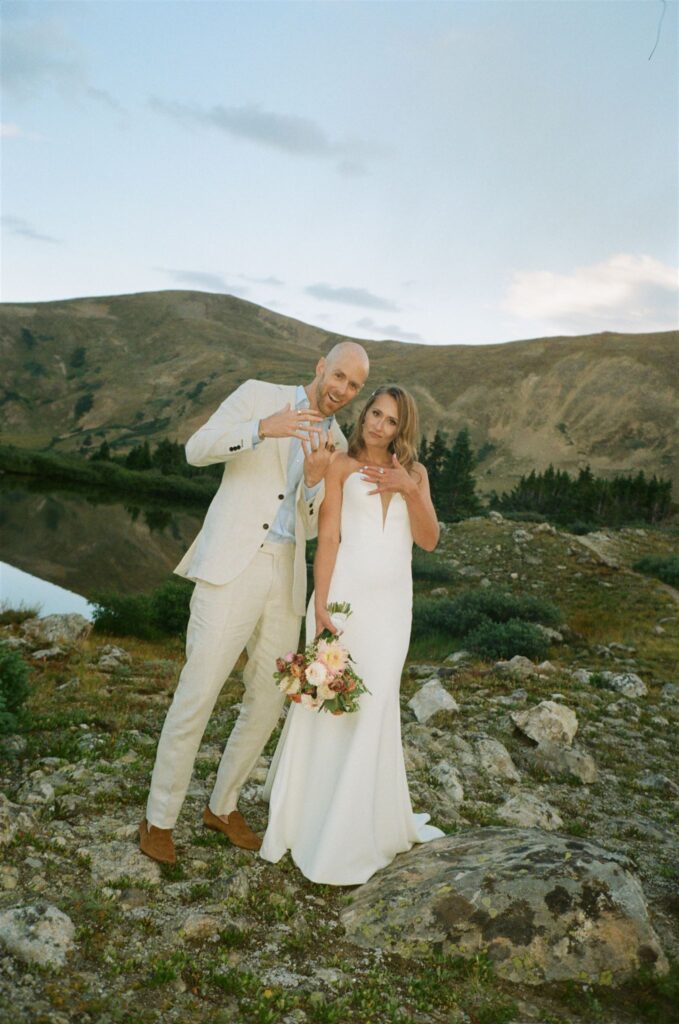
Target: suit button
[280,497]
[265,526]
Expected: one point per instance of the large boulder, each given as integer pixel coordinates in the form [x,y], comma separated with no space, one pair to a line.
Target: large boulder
[548,720]
[39,934]
[545,907]
[55,630]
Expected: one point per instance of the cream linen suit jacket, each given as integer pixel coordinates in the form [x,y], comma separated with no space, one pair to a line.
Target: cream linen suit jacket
[251,489]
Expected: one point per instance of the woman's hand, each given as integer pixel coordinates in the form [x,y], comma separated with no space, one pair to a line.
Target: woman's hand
[389,479]
[323,621]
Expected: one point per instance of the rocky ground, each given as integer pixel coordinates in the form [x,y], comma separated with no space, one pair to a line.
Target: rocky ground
[567,768]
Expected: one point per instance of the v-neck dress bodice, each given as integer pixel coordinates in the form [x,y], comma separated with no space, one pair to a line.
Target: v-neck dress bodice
[337,785]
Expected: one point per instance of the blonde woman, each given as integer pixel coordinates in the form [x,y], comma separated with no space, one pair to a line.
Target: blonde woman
[339,797]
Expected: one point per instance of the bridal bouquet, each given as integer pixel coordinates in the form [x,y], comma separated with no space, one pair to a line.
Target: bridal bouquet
[322,678]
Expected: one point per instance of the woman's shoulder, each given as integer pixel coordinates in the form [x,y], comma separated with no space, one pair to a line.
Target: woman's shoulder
[418,472]
[342,465]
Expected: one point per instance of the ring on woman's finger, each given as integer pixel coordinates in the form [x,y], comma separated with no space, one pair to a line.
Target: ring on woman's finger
[381,472]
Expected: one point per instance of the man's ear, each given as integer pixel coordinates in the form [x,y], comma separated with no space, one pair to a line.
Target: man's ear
[320,366]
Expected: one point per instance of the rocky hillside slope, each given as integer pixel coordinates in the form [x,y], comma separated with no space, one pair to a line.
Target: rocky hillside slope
[556,784]
[157,364]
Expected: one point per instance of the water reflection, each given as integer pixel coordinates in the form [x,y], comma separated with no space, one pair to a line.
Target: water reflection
[86,542]
[21,590]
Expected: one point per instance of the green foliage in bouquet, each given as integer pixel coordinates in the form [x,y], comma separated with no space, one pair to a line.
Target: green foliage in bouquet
[322,678]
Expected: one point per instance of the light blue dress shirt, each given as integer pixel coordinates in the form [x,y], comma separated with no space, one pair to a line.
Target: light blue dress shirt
[282,529]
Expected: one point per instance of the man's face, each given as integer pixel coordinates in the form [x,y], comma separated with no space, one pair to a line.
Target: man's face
[338,382]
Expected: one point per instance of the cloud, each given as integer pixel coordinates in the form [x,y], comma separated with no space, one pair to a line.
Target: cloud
[288,133]
[202,280]
[275,281]
[38,56]
[349,296]
[21,227]
[366,323]
[624,292]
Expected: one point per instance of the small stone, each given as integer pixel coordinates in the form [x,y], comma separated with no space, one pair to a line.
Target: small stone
[517,666]
[9,876]
[13,819]
[495,759]
[447,777]
[627,683]
[556,760]
[527,810]
[548,720]
[116,859]
[39,934]
[37,793]
[656,781]
[67,629]
[430,699]
[199,927]
[456,657]
[553,635]
[439,592]
[48,654]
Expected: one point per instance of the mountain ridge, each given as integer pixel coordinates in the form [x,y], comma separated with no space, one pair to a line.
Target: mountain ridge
[154,364]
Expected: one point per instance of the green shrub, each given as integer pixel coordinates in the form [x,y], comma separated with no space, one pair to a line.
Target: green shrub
[665,567]
[124,615]
[163,612]
[459,615]
[13,616]
[13,688]
[427,566]
[505,639]
[170,605]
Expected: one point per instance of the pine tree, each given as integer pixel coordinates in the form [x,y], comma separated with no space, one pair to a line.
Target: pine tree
[433,457]
[458,498]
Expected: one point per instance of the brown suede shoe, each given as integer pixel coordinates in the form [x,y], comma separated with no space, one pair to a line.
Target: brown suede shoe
[236,829]
[157,843]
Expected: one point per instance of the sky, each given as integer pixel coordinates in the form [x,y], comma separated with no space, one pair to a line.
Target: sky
[448,172]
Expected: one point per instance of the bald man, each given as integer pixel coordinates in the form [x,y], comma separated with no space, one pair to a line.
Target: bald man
[249,568]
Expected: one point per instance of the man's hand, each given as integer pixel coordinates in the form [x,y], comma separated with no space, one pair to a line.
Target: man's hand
[319,452]
[289,422]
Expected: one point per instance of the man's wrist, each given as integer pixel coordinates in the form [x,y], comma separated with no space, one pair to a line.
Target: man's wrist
[260,430]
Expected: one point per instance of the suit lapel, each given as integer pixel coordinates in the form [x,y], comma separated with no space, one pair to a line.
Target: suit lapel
[288,393]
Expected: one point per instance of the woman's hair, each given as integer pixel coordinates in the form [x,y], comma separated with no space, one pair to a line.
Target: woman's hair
[404,444]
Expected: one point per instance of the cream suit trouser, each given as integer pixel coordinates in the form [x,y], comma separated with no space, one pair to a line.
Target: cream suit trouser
[253,610]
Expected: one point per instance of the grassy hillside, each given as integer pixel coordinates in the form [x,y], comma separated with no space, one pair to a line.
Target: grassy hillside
[157,364]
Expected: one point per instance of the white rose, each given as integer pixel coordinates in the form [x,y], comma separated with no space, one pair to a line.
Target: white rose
[316,673]
[289,684]
[324,692]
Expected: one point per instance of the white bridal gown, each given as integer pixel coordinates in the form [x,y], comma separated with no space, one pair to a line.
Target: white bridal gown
[337,785]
